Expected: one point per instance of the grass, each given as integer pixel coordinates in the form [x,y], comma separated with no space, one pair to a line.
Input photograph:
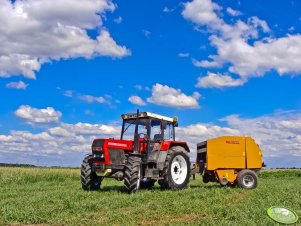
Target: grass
[42,196]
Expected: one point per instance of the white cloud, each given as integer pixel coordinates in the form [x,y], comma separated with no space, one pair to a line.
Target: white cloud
[35,32]
[108,47]
[91,129]
[238,44]
[146,33]
[138,87]
[17,85]
[183,54]
[68,93]
[91,99]
[277,134]
[168,96]
[136,100]
[60,132]
[233,12]
[282,55]
[168,10]
[118,20]
[33,115]
[106,99]
[212,80]
[202,12]
[65,138]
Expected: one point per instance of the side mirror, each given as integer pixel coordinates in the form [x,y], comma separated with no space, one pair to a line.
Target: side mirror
[163,125]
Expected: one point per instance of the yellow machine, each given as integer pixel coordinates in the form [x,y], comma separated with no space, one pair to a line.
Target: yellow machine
[230,160]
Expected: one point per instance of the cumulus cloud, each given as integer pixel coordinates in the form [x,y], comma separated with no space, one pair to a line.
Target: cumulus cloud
[168,96]
[233,12]
[245,46]
[108,47]
[136,100]
[35,32]
[57,140]
[277,134]
[37,116]
[17,85]
[212,80]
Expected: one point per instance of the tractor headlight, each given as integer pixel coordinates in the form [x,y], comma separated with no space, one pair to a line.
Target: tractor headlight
[100,157]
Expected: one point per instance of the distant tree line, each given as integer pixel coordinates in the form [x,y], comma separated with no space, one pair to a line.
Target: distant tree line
[29,166]
[15,165]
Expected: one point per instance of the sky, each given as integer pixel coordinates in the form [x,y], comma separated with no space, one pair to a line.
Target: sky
[69,69]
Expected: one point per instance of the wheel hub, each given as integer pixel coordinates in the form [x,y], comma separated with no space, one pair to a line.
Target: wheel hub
[179,169]
[248,181]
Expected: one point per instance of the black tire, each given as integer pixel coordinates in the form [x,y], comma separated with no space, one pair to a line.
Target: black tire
[132,174]
[247,179]
[90,181]
[206,178]
[147,184]
[169,182]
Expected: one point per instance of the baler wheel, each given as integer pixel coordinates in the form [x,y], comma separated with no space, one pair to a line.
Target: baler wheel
[132,174]
[247,179]
[90,181]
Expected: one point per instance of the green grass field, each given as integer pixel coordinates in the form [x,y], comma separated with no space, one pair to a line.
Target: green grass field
[42,196]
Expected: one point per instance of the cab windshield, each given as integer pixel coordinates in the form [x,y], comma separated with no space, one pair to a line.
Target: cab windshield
[147,128]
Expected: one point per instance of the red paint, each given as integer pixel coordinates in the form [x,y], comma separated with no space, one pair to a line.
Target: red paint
[128,146]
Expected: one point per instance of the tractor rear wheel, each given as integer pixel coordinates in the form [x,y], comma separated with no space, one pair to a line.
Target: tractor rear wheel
[176,172]
[132,174]
[247,179]
[90,181]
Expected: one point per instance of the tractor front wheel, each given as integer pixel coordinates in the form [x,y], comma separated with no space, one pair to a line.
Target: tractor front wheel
[247,179]
[132,174]
[90,181]
[177,169]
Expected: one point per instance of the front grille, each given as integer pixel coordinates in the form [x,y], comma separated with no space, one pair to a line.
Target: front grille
[117,156]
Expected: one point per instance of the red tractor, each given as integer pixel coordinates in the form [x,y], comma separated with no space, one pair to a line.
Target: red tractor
[153,155]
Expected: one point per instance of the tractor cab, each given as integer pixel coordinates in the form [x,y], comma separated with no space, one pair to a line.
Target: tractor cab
[149,129]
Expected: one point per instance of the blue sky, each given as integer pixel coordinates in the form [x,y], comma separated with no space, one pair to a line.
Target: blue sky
[68,71]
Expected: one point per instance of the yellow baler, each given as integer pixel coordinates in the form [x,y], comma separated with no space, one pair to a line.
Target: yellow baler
[230,160]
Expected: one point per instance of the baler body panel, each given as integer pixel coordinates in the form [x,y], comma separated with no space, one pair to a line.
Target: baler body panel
[233,152]
[253,154]
[226,153]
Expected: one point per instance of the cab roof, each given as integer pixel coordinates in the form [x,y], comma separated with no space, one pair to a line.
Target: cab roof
[149,115]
